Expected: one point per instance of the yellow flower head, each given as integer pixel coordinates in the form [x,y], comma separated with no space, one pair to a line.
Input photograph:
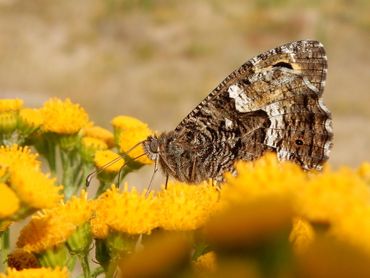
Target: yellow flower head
[364,171]
[302,234]
[125,212]
[266,176]
[63,117]
[99,133]
[9,202]
[34,188]
[54,226]
[13,155]
[206,263]
[89,146]
[7,105]
[186,207]
[8,121]
[245,225]
[29,119]
[102,158]
[330,195]
[129,132]
[36,273]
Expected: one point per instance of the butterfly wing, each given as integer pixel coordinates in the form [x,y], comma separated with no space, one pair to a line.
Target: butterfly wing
[272,102]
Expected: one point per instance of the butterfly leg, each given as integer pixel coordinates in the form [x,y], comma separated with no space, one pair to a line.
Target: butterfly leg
[166,182]
[152,178]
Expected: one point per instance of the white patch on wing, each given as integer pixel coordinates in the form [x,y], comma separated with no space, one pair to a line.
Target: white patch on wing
[228,124]
[241,100]
[310,85]
[275,113]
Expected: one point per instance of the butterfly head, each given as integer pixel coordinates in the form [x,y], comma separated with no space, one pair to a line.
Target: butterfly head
[151,147]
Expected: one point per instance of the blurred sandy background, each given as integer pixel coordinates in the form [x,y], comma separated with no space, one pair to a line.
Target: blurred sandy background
[156,60]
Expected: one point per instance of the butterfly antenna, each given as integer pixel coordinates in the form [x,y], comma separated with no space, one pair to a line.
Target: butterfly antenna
[98,171]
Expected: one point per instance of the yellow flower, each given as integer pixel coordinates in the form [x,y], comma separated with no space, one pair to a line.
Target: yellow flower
[353,226]
[54,226]
[29,119]
[102,158]
[34,188]
[99,133]
[302,234]
[63,117]
[206,262]
[36,273]
[186,207]
[263,177]
[163,256]
[9,203]
[8,121]
[246,225]
[330,195]
[12,155]
[125,212]
[89,146]
[7,105]
[129,132]
[364,171]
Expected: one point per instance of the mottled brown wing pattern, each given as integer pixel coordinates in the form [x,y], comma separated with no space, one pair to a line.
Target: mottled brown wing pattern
[272,102]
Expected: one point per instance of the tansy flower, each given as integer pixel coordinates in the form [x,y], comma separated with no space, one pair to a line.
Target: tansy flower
[263,177]
[128,132]
[36,273]
[29,120]
[302,234]
[206,263]
[9,202]
[63,117]
[353,226]
[54,226]
[34,188]
[330,195]
[127,212]
[89,146]
[186,207]
[8,122]
[364,171]
[12,155]
[7,105]
[99,133]
[102,158]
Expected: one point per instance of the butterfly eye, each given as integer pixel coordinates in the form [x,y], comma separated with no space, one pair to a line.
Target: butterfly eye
[153,145]
[299,142]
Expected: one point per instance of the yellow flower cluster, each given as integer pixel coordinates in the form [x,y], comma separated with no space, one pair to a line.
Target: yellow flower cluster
[102,158]
[24,183]
[36,273]
[7,105]
[181,207]
[128,132]
[63,117]
[54,226]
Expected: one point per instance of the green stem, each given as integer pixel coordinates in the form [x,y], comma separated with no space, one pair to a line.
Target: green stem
[85,265]
[4,245]
[67,177]
[97,272]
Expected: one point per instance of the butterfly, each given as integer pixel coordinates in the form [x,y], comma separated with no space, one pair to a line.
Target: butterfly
[273,102]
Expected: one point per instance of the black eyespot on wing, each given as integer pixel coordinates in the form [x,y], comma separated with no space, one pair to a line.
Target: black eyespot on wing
[299,142]
[283,65]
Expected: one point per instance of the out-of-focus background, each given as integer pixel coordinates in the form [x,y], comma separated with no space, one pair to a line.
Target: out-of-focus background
[156,59]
